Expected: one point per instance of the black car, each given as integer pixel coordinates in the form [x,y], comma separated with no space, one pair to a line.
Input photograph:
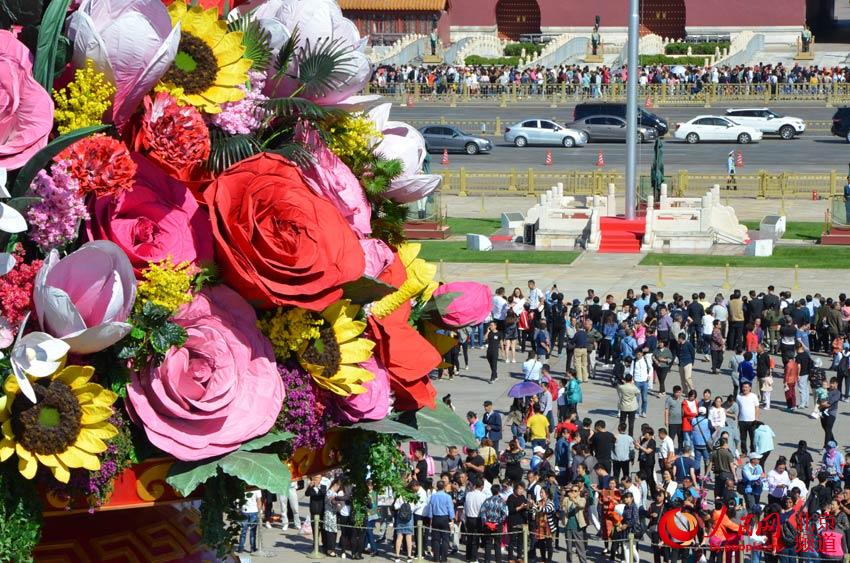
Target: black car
[841,123]
[645,118]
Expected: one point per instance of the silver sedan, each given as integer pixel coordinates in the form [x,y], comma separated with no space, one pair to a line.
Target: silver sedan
[544,132]
[606,128]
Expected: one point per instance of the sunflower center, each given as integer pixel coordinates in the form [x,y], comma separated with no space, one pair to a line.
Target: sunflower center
[50,426]
[324,351]
[195,66]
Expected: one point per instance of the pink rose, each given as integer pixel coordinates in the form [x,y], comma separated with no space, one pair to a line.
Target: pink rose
[26,109]
[219,390]
[460,304]
[374,404]
[157,219]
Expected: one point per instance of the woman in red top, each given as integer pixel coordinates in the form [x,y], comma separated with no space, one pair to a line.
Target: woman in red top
[690,410]
[751,339]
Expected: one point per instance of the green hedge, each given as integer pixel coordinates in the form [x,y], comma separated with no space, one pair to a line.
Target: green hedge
[515,49]
[696,48]
[478,60]
[670,61]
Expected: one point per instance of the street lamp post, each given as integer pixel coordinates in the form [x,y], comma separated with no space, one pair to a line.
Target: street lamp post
[632,111]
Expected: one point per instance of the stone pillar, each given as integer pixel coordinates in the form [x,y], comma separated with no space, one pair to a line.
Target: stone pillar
[612,201]
[715,193]
[662,200]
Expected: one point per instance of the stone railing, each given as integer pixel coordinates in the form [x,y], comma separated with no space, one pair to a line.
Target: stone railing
[482,45]
[402,51]
[565,48]
[743,48]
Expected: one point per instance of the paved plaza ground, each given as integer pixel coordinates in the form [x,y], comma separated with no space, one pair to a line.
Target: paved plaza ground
[471,388]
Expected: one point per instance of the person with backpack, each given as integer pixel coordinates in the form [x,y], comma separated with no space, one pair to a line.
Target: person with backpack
[403,524]
[493,514]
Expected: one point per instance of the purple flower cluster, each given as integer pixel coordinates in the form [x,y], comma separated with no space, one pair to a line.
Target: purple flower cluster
[55,219]
[302,414]
[246,115]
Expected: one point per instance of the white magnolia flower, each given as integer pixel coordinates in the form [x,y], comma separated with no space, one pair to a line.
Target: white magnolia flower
[36,355]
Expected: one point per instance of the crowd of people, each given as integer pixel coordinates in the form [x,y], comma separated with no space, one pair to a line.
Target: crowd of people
[546,478]
[590,81]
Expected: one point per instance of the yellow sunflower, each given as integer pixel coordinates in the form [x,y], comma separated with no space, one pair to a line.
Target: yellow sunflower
[210,63]
[64,430]
[332,358]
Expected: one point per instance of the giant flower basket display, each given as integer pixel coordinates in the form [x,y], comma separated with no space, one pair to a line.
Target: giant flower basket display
[204,285]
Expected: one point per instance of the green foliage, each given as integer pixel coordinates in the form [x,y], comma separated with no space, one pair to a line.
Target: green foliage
[112,372]
[296,152]
[43,157]
[706,48]
[296,108]
[515,49]
[365,290]
[20,516]
[286,54]
[221,512]
[456,251]
[48,39]
[388,222]
[322,67]
[439,425]
[152,336]
[378,456]
[226,150]
[20,12]
[209,275]
[649,60]
[477,60]
[255,39]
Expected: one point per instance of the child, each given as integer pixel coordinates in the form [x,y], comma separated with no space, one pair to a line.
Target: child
[821,394]
[766,388]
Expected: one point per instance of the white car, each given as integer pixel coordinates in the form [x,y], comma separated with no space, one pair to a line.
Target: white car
[768,121]
[715,128]
[544,132]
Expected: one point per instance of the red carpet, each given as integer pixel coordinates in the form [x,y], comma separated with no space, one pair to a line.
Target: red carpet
[620,235]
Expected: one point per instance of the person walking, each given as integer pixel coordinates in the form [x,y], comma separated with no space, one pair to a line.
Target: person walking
[642,374]
[492,424]
[472,517]
[686,356]
[804,369]
[716,346]
[662,360]
[731,181]
[673,416]
[748,414]
[701,440]
[573,507]
[494,345]
[628,394]
[829,411]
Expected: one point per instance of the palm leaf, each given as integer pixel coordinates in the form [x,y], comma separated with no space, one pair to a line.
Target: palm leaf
[323,67]
[226,150]
[296,152]
[286,54]
[255,39]
[296,107]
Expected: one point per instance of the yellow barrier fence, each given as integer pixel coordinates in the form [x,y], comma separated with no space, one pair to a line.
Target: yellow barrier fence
[530,182]
[828,94]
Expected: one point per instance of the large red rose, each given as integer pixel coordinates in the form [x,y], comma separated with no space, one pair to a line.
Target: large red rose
[276,241]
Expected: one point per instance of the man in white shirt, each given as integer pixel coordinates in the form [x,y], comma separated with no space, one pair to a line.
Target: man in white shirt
[499,309]
[641,370]
[706,329]
[531,368]
[535,296]
[666,450]
[471,512]
[250,518]
[748,413]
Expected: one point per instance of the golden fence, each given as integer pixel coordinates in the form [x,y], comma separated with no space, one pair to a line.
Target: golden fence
[828,94]
[530,182]
[494,127]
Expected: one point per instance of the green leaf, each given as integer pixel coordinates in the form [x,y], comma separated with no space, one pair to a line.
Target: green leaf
[286,54]
[154,313]
[365,290]
[186,476]
[48,38]
[166,336]
[439,426]
[20,12]
[264,471]
[137,333]
[255,39]
[323,67]
[21,203]
[63,55]
[390,426]
[42,158]
[272,437]
[296,152]
[226,150]
[297,107]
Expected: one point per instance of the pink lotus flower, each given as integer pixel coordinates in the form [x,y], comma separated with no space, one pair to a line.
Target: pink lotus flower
[217,391]
[374,404]
[405,143]
[329,177]
[316,20]
[131,41]
[159,218]
[460,304]
[26,109]
[85,297]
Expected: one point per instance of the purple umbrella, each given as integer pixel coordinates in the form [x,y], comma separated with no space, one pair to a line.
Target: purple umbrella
[524,389]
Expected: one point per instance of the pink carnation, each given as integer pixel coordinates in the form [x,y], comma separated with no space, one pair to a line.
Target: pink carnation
[55,219]
[219,390]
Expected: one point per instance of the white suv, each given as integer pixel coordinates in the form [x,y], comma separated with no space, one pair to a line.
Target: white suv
[768,121]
